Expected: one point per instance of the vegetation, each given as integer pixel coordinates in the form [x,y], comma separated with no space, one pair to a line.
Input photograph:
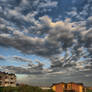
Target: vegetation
[88,90]
[47,90]
[22,88]
[26,88]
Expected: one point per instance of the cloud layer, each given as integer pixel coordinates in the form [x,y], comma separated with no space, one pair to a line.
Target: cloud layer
[33,28]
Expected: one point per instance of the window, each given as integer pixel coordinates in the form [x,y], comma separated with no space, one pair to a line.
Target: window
[11,82]
[0,77]
[11,78]
[65,86]
[6,82]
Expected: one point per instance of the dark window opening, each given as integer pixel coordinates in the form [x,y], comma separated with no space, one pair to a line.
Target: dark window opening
[11,82]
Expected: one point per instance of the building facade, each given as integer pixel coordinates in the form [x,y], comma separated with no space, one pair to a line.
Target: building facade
[68,87]
[7,79]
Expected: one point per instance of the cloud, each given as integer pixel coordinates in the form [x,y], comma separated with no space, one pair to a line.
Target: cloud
[48,4]
[59,36]
[2,58]
[17,70]
[89,20]
[73,13]
[33,30]
[88,40]
[22,59]
[42,80]
[30,67]
[36,69]
[59,64]
[19,15]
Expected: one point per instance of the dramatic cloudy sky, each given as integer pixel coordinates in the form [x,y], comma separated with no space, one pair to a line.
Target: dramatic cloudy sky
[46,41]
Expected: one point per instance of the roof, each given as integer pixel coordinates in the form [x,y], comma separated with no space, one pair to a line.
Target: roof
[7,73]
[75,83]
[66,83]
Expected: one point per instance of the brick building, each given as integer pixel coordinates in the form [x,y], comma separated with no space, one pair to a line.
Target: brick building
[68,87]
[7,79]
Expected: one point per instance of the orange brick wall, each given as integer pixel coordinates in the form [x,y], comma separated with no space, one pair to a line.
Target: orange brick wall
[75,87]
[59,88]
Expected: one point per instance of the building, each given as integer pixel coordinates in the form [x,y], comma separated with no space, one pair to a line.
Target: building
[7,79]
[68,87]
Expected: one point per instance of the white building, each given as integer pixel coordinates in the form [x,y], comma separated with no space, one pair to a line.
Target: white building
[7,79]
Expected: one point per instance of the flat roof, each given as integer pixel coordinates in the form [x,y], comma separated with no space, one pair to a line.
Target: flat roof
[66,83]
[7,73]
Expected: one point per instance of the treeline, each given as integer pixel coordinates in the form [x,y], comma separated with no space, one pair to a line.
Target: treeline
[24,88]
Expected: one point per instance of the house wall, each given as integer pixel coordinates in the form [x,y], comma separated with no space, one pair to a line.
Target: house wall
[59,88]
[7,79]
[68,87]
[54,88]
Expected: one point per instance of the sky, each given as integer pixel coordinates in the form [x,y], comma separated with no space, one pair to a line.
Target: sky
[46,41]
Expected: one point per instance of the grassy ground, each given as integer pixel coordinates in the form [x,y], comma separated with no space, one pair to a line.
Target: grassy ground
[26,88]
